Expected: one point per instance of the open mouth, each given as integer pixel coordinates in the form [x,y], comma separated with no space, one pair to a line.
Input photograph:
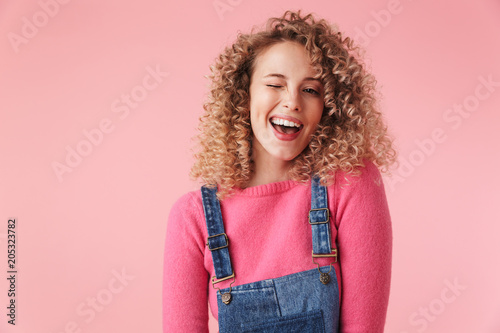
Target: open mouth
[286,126]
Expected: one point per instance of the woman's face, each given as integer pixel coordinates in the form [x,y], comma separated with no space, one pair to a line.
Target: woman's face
[286,103]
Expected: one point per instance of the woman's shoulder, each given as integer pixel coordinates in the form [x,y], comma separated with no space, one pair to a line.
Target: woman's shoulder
[188,199]
[186,218]
[360,198]
[365,184]
[187,207]
[367,175]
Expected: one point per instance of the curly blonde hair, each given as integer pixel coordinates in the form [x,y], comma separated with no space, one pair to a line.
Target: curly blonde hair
[351,128]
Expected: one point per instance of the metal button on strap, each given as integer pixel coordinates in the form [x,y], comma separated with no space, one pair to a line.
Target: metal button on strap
[226,298]
[324,278]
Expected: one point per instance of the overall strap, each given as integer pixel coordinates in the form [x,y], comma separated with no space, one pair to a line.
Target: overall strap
[217,241]
[319,218]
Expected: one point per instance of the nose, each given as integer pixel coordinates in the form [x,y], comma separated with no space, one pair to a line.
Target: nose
[292,100]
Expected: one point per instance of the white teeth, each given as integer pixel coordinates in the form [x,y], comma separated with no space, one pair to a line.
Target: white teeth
[279,121]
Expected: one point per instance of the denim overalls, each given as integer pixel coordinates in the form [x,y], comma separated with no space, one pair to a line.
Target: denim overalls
[307,301]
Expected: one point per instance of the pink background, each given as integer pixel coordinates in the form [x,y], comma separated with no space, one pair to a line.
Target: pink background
[106,214]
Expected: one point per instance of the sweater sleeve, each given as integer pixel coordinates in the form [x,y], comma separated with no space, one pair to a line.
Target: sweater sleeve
[185,279]
[365,250]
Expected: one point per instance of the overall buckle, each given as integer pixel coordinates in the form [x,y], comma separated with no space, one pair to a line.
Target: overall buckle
[220,247]
[226,297]
[318,209]
[325,277]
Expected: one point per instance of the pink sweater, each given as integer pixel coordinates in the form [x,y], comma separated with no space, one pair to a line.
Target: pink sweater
[269,236]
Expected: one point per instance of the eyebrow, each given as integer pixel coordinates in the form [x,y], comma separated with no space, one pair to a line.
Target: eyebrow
[281,76]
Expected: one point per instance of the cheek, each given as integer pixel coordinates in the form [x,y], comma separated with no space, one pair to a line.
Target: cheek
[261,107]
[255,120]
[317,115]
[252,120]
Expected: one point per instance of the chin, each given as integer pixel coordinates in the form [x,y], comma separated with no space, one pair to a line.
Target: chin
[286,156]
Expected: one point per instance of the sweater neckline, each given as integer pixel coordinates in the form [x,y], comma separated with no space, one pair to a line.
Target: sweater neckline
[267,189]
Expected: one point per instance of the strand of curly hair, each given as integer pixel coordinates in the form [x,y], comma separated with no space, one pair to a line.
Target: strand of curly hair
[351,128]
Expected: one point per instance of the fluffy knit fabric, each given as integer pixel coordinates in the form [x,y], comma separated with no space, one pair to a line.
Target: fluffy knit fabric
[269,236]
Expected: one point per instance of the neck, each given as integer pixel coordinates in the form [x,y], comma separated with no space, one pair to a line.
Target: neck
[268,169]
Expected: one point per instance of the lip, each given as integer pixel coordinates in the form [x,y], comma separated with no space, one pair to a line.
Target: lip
[283,136]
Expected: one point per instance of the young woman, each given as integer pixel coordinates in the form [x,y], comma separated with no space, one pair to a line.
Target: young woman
[291,231]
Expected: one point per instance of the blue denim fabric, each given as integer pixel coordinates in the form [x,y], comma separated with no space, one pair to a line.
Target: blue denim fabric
[293,303]
[215,226]
[320,231]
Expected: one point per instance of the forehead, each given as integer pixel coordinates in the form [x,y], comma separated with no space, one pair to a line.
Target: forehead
[285,58]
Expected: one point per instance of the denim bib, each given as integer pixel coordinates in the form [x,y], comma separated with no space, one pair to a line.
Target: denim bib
[307,301]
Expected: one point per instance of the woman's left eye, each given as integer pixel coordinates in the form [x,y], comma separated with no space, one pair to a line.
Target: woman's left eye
[311,91]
